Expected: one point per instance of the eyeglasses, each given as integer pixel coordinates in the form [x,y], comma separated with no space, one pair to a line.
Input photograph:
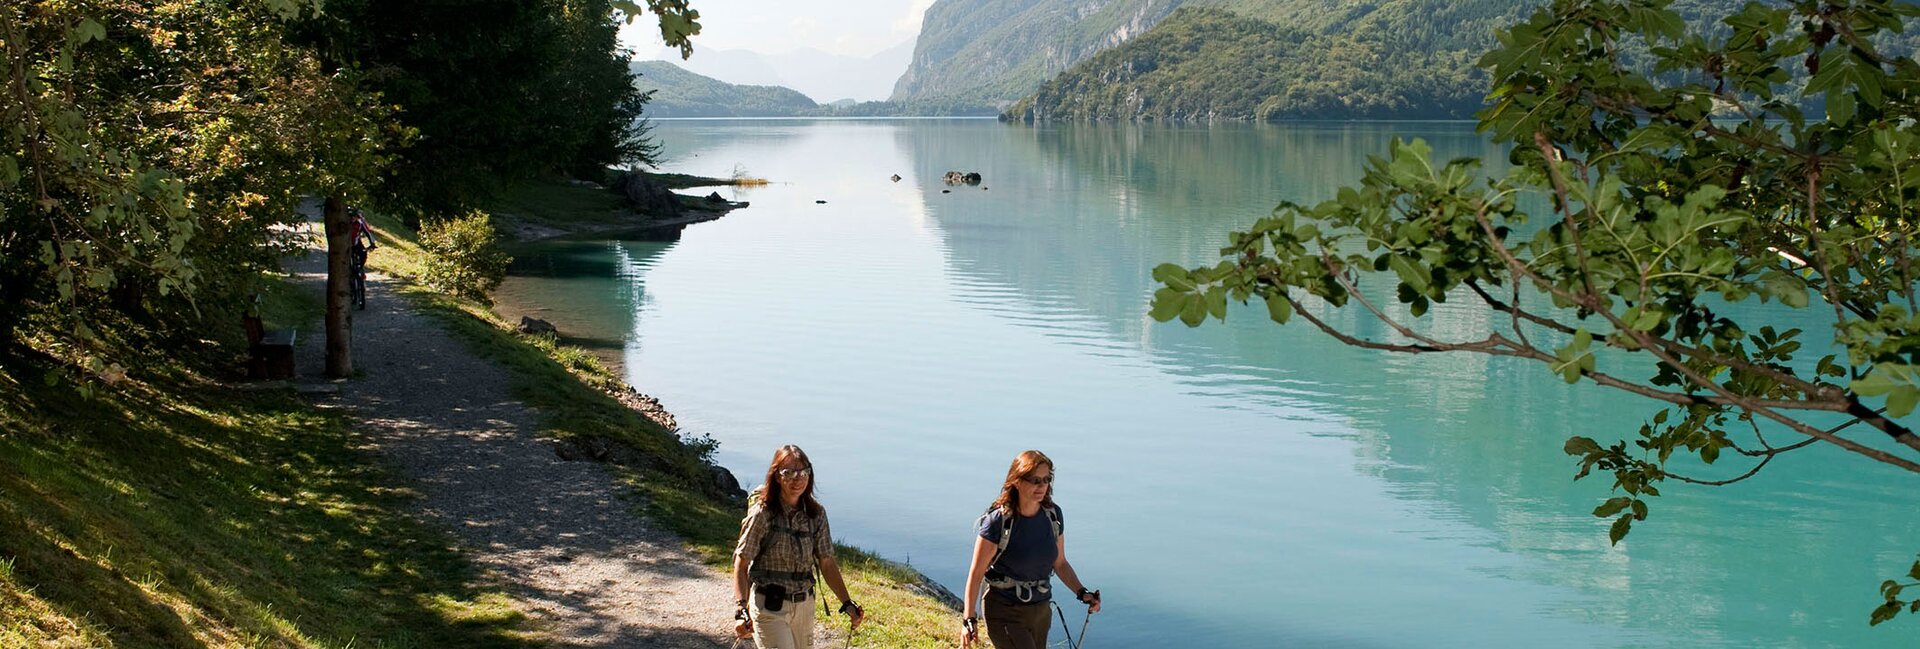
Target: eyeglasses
[793,474]
[1037,481]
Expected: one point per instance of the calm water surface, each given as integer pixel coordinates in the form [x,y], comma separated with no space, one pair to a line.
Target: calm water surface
[1240,484]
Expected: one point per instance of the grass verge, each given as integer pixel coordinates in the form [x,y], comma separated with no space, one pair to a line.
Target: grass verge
[568,387]
[173,511]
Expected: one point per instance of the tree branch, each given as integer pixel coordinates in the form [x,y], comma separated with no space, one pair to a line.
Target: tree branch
[1764,408]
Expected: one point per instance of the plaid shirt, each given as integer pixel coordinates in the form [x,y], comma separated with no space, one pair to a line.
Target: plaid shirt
[781,547]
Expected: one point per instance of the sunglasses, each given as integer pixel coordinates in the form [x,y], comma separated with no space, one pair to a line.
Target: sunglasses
[793,474]
[1037,481]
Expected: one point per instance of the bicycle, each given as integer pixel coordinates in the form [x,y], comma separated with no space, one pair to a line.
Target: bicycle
[357,278]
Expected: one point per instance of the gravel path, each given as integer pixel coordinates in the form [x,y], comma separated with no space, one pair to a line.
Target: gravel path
[566,537]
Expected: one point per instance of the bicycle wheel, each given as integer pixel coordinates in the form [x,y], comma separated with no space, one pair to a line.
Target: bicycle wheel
[358,285]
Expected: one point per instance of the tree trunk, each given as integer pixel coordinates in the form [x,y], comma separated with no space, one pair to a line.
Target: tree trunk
[339,313]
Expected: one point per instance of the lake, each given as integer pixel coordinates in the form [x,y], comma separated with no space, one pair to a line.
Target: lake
[1238,484]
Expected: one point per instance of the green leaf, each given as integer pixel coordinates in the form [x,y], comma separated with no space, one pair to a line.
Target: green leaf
[1612,507]
[1278,308]
[1901,400]
[1574,357]
[1619,529]
[89,30]
[1787,288]
[1167,303]
[1410,273]
[1193,311]
[1581,446]
[1217,302]
[1883,613]
[1914,572]
[1165,273]
[1840,107]
[1895,380]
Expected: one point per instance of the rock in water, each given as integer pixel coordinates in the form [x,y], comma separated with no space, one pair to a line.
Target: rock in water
[961,178]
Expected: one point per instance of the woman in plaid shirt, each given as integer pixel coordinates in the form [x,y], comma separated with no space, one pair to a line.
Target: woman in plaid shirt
[782,540]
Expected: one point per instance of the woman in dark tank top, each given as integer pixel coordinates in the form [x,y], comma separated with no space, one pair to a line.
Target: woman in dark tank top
[1020,546]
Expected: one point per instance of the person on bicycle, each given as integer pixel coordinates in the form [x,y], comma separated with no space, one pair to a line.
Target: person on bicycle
[361,236]
[358,230]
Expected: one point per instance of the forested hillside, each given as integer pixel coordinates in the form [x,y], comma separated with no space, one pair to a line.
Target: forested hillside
[1302,59]
[679,93]
[1208,64]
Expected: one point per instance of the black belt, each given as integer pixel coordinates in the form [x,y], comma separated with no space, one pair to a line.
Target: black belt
[788,597]
[780,574]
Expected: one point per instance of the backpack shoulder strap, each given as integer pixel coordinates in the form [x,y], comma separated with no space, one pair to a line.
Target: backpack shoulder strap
[1005,535]
[1053,516]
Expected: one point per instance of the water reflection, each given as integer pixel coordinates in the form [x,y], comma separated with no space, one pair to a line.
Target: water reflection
[914,336]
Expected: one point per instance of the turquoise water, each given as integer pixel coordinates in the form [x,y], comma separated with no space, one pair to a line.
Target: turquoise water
[1240,484]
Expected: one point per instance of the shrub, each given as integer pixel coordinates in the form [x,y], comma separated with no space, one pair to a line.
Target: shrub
[463,256]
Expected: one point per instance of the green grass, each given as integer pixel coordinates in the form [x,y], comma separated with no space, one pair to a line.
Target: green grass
[172,511]
[567,386]
[559,203]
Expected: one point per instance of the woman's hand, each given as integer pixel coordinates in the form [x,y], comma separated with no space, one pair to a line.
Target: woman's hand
[969,632]
[1091,598]
[854,613]
[742,625]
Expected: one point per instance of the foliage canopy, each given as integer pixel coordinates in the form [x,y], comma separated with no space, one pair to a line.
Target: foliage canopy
[149,149]
[1672,190]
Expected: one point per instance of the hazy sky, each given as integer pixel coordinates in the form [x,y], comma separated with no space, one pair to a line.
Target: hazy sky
[855,28]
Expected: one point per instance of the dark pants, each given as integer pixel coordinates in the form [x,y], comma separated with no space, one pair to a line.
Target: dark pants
[1017,626]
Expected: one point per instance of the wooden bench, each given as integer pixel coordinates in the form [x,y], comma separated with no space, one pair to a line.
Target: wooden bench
[269,351]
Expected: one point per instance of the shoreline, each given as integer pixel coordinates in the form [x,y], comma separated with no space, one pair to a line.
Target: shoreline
[613,382]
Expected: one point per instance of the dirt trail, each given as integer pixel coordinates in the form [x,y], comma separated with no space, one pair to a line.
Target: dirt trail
[565,535]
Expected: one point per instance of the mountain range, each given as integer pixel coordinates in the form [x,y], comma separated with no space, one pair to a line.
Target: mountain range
[823,77]
[1199,59]
[679,93]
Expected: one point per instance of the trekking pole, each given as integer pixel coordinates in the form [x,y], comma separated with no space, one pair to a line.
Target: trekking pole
[1083,623]
[1083,628]
[1063,625]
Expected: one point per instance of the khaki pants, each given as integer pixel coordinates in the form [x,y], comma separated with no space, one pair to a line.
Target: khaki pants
[1017,626]
[791,627]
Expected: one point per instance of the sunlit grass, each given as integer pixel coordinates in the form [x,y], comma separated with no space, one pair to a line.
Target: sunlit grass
[173,511]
